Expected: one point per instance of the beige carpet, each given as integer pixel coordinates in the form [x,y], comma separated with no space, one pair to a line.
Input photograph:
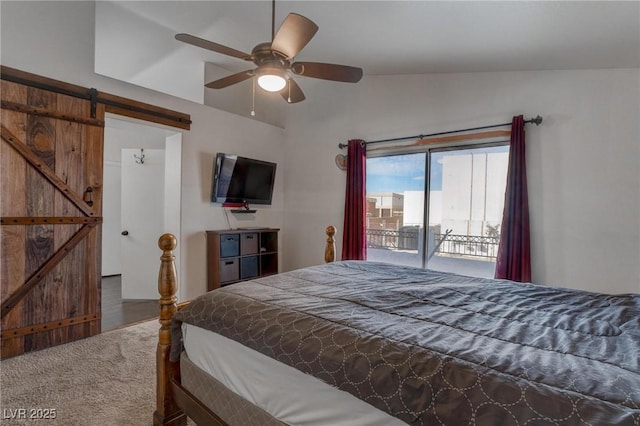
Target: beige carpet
[107,379]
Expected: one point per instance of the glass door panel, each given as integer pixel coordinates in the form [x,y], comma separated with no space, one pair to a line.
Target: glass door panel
[466,200]
[395,209]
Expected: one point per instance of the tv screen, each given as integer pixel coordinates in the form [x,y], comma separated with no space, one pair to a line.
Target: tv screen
[242,180]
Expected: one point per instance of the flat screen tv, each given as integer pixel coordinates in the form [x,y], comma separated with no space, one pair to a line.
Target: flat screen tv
[242,180]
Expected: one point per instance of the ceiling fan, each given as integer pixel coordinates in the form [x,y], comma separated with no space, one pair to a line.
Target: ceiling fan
[275,69]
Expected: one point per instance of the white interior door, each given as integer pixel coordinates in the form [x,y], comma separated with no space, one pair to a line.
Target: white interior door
[142,221]
[111,211]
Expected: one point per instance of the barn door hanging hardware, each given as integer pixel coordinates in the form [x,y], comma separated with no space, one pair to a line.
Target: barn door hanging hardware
[93,98]
[139,158]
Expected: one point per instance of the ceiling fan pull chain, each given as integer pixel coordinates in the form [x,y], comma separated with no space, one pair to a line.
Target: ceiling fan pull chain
[289,98]
[253,98]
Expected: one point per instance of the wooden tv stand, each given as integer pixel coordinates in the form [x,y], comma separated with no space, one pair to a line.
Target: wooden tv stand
[240,254]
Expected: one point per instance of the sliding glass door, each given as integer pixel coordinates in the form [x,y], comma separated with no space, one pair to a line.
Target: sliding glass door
[395,208]
[460,190]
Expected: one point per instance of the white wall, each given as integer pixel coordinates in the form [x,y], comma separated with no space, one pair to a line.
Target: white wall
[172,181]
[583,161]
[413,207]
[55,39]
[152,65]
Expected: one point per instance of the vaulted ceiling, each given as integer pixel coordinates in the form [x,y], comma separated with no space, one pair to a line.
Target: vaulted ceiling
[135,40]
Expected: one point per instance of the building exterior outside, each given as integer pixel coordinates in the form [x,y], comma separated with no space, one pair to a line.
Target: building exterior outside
[472,192]
[385,210]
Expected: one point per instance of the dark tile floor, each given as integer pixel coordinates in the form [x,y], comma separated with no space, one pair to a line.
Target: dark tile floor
[118,313]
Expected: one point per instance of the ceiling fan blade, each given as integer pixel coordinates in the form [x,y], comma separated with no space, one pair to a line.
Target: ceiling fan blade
[209,45]
[229,80]
[292,93]
[293,35]
[332,72]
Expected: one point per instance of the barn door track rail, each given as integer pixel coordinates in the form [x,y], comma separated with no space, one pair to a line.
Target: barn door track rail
[113,104]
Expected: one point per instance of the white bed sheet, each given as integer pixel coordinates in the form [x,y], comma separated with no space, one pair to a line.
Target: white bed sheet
[289,395]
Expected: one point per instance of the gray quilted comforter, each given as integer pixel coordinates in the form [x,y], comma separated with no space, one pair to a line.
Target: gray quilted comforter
[436,348]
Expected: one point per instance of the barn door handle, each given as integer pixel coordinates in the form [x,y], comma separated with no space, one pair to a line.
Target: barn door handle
[125,233]
[87,197]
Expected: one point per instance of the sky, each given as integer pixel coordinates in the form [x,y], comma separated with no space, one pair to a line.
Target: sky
[406,172]
[397,173]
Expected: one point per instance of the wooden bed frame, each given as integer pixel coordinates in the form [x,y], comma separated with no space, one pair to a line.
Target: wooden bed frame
[173,402]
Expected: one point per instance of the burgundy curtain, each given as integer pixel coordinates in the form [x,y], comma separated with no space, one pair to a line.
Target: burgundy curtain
[354,240]
[514,252]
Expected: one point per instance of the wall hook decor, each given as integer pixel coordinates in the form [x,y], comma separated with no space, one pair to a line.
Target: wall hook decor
[139,158]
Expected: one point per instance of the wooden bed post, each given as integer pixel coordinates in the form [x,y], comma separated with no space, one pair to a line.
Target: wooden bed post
[167,412]
[330,249]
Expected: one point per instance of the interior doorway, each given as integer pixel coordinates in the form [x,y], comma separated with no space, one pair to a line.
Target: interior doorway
[142,169]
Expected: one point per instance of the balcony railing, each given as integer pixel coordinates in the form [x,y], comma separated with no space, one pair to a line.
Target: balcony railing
[391,239]
[468,245]
[451,244]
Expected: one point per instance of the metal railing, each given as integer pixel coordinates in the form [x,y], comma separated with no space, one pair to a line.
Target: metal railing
[468,245]
[390,239]
[452,244]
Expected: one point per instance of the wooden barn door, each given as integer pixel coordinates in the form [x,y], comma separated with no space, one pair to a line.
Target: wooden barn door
[51,159]
[51,207]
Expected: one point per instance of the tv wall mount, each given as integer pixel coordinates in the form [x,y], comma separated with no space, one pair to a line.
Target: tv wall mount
[245,207]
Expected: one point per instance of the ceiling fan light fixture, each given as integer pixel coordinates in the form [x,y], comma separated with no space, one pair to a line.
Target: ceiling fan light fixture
[272,82]
[275,69]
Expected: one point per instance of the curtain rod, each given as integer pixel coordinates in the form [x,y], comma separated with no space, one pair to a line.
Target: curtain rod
[536,120]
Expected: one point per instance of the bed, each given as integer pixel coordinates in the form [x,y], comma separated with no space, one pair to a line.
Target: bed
[366,343]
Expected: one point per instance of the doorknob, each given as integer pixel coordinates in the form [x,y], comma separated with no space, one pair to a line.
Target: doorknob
[125,233]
